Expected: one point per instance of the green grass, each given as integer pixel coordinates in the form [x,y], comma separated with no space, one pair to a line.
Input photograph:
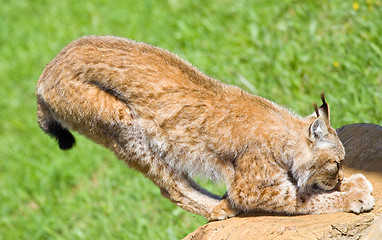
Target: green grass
[287,51]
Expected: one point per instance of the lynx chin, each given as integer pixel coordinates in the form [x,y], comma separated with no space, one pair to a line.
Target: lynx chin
[169,121]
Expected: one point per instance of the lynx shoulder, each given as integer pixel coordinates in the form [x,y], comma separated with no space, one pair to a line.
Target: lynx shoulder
[169,121]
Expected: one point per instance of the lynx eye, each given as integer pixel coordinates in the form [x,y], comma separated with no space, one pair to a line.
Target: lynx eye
[338,163]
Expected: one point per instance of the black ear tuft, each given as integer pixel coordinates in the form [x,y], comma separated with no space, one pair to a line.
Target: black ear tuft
[323,98]
[316,109]
[324,109]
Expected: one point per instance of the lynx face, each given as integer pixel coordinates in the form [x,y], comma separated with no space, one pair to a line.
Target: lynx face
[327,173]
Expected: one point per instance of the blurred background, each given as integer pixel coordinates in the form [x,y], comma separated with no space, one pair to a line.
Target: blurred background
[287,51]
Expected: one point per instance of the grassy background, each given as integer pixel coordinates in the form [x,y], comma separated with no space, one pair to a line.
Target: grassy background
[287,51]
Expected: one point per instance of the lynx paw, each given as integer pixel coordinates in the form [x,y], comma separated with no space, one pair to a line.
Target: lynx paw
[360,200]
[222,211]
[357,181]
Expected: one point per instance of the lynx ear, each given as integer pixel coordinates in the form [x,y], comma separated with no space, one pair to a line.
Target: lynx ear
[318,130]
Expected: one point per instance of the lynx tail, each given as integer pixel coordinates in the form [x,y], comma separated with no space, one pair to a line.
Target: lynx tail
[53,128]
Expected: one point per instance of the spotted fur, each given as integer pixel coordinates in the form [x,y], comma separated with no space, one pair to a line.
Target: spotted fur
[171,122]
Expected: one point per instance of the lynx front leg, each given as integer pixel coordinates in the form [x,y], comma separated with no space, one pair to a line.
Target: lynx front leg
[354,195]
[282,197]
[355,200]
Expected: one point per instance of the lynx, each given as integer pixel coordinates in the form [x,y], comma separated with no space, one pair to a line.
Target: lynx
[169,121]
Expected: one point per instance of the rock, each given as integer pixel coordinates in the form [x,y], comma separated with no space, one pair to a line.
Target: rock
[363,146]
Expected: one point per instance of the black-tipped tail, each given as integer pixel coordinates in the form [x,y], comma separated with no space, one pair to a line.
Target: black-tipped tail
[64,138]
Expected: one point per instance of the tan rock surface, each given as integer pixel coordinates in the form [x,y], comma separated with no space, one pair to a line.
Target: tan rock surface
[363,145]
[374,232]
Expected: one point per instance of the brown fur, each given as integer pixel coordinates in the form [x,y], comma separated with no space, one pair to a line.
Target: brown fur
[171,122]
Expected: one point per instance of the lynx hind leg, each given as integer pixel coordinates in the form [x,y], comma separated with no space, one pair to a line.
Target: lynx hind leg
[94,112]
[187,194]
[179,190]
[223,210]
[357,181]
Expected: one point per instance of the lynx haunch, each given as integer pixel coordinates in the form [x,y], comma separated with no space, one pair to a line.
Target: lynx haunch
[171,122]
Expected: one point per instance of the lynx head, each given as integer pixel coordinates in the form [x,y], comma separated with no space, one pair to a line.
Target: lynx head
[321,168]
